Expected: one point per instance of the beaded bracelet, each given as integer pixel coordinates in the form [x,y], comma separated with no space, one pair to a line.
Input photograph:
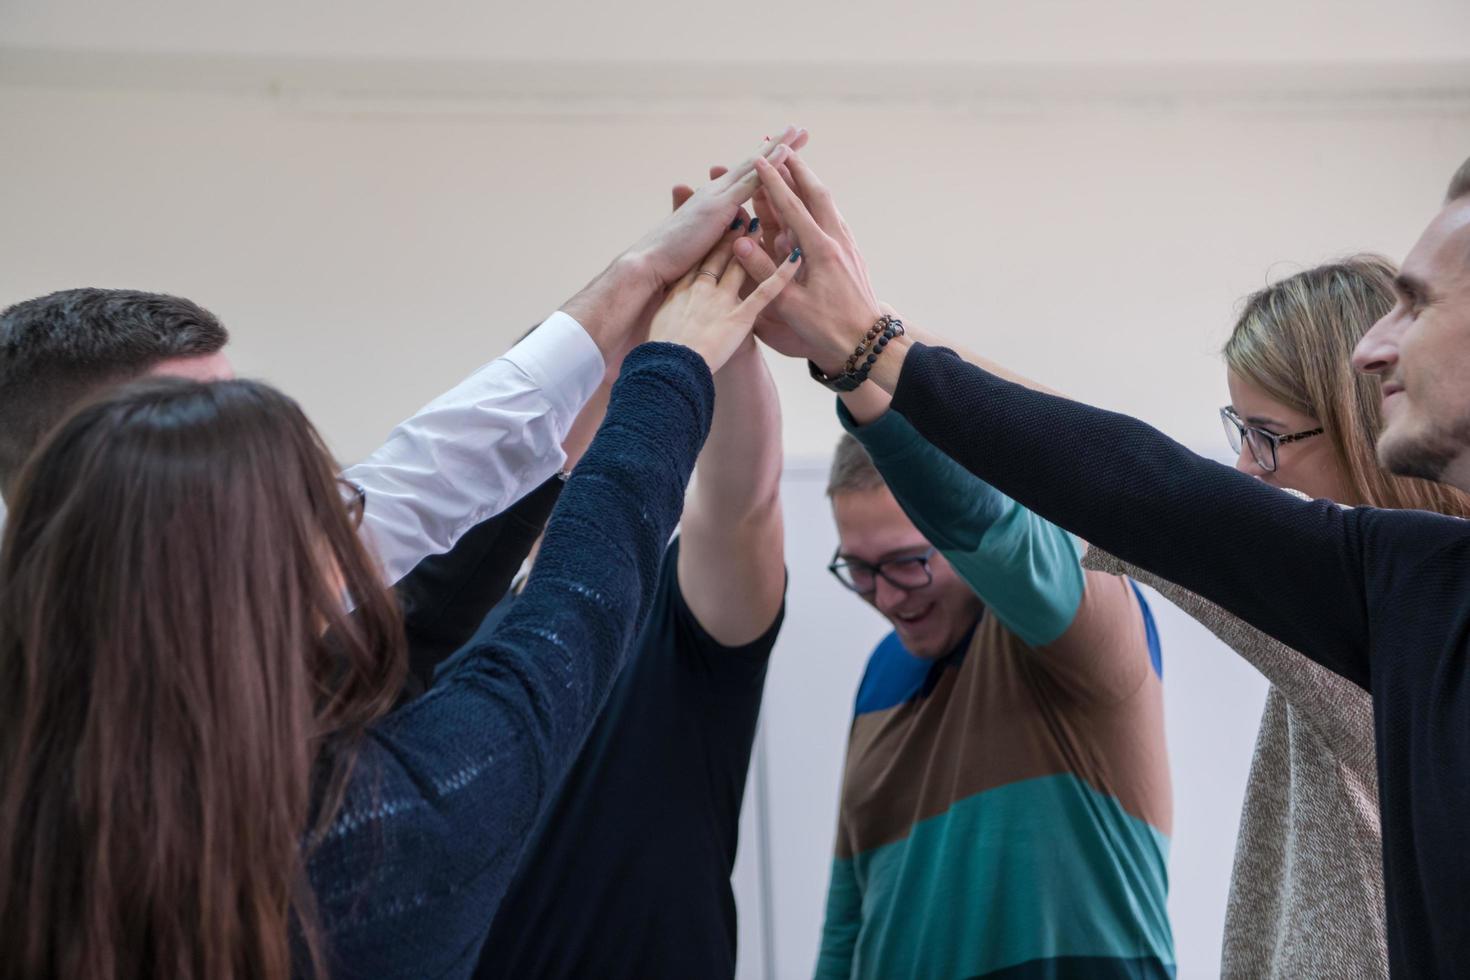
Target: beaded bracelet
[855,370]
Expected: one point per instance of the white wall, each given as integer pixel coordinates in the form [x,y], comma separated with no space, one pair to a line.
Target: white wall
[1082,191]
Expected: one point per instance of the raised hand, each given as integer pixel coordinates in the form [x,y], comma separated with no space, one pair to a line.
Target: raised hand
[704,310]
[680,240]
[614,307]
[823,316]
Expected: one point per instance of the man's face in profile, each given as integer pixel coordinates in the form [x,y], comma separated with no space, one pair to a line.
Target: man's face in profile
[1421,352]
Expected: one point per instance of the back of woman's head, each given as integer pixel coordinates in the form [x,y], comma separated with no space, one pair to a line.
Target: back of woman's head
[1294,340]
[178,681]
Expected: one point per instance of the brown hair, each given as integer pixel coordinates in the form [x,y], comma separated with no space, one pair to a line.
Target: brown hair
[1295,339]
[852,468]
[1459,183]
[58,350]
[181,686]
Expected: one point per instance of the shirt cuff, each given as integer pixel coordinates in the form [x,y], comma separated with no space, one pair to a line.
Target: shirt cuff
[563,361]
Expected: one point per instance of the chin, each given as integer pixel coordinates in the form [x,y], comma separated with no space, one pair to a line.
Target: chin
[1402,454]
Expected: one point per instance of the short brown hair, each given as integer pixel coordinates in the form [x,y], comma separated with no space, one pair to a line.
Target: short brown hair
[852,469]
[1459,183]
[59,350]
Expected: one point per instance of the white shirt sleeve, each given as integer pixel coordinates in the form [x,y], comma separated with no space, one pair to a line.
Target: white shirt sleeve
[475,450]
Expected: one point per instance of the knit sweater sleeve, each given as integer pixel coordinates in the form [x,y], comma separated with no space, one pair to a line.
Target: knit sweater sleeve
[1340,710]
[1291,568]
[447,789]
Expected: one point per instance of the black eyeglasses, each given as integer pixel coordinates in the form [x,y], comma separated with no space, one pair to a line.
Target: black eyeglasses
[903,573]
[354,498]
[1263,444]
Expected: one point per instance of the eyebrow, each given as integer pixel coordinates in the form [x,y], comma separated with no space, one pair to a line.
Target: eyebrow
[1411,286]
[910,552]
[1258,419]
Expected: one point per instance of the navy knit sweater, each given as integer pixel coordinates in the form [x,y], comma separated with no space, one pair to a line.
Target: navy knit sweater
[1382,597]
[447,789]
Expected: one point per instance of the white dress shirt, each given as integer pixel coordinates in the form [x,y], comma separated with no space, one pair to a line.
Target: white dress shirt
[478,448]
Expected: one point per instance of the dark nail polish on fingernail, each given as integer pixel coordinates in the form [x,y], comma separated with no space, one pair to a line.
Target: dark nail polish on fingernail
[736,223]
[796,253]
[755,225]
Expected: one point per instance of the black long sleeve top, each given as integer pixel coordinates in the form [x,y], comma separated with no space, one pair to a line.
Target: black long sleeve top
[1378,596]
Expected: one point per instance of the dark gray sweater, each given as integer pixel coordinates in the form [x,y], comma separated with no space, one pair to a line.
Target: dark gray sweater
[447,788]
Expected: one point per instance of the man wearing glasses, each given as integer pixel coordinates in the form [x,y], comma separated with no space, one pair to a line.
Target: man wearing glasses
[1005,808]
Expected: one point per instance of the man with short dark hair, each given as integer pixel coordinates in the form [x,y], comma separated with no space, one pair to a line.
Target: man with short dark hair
[1005,806]
[58,350]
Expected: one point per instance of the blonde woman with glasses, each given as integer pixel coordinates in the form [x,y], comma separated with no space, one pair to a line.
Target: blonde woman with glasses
[1306,893]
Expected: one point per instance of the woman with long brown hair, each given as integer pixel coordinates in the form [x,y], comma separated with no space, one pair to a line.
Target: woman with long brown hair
[198,774]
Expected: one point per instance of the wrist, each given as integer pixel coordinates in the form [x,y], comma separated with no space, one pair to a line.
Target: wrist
[857,364]
[610,306]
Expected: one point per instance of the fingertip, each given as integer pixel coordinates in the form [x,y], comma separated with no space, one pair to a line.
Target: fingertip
[743,247]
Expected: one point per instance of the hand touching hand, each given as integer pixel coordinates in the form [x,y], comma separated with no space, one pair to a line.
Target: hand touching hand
[681,239]
[704,310]
[823,316]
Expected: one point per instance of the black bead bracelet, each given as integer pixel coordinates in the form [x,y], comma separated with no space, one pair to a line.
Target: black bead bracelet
[855,371]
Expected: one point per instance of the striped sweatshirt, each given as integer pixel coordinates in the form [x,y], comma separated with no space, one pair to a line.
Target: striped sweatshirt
[1005,810]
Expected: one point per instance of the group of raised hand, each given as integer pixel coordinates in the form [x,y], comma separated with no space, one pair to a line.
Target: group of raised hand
[790,274]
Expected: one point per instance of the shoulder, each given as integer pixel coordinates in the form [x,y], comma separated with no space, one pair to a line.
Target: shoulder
[893,676]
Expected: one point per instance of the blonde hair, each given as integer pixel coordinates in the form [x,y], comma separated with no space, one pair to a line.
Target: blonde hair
[1294,340]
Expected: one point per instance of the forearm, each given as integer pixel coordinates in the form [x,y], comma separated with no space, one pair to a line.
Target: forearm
[446,597]
[465,771]
[473,451]
[739,471]
[598,564]
[613,303]
[731,556]
[1025,568]
[1129,489]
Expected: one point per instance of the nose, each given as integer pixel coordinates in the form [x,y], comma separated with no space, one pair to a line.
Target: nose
[1246,463]
[888,597]
[1378,351]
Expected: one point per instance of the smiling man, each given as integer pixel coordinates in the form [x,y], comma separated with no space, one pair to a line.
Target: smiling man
[1005,808]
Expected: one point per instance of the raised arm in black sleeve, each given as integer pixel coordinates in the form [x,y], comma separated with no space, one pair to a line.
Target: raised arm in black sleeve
[1289,567]
[446,597]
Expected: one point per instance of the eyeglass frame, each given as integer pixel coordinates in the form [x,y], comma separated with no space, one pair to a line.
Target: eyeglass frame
[923,560]
[1244,430]
[354,498]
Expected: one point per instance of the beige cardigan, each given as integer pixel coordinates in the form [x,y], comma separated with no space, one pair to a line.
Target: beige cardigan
[1306,892]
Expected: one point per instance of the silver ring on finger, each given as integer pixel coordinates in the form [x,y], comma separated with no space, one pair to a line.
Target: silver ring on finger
[706,272]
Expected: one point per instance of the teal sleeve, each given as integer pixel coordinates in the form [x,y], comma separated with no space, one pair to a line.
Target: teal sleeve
[1026,569]
[842,924]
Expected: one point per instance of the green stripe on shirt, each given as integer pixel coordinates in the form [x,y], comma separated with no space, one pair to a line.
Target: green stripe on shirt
[1026,569]
[1033,870]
